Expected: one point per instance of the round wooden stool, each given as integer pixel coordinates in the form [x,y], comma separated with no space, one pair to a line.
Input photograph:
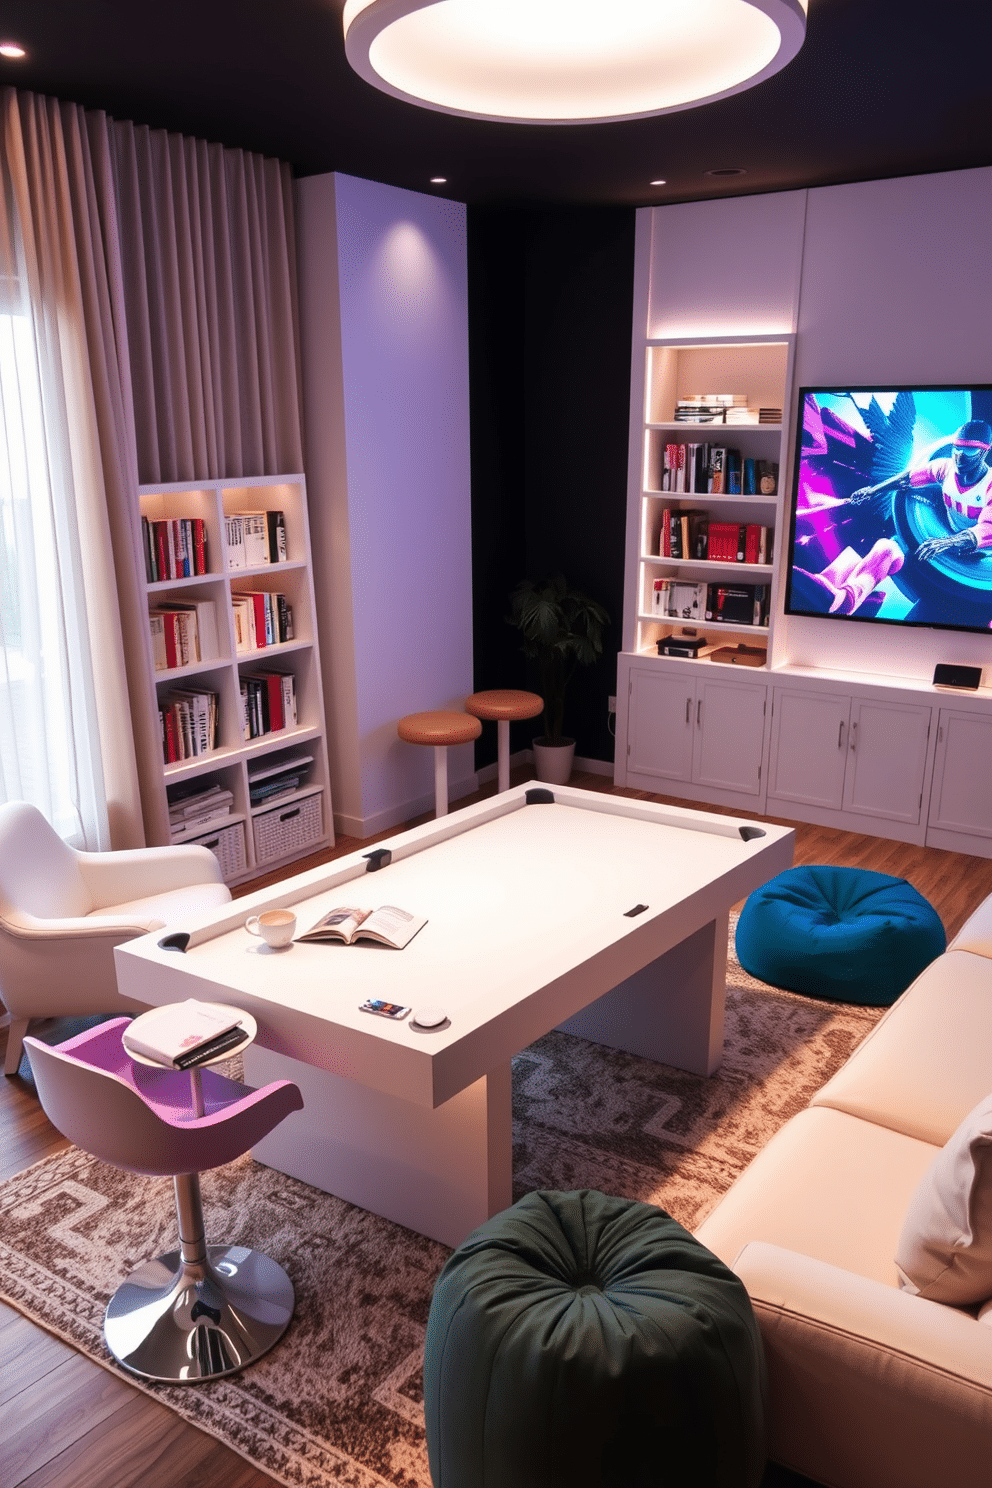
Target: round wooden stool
[505,705]
[442,727]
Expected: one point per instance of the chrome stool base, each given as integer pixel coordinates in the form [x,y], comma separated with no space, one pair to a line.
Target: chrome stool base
[182,1321]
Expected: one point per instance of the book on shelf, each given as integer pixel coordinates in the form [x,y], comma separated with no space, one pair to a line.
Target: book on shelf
[174,547]
[269,782]
[188,724]
[708,408]
[767,476]
[733,542]
[701,469]
[189,811]
[275,523]
[678,599]
[769,415]
[268,702]
[265,768]
[184,633]
[183,1033]
[737,604]
[193,825]
[261,619]
[386,925]
[255,538]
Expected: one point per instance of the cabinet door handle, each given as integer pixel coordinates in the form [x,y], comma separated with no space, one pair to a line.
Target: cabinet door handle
[854,735]
[699,713]
[688,711]
[840,735]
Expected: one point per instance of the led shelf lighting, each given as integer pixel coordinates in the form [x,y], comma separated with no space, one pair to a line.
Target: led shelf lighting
[569,61]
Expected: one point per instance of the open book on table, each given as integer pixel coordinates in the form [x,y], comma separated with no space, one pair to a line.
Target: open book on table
[387,925]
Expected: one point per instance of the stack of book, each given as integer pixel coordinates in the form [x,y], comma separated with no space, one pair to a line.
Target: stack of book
[183,634]
[708,408]
[188,724]
[268,702]
[174,548]
[269,782]
[255,538]
[261,619]
[194,808]
[769,415]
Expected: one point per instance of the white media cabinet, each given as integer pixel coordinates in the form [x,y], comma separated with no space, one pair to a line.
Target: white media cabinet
[890,757]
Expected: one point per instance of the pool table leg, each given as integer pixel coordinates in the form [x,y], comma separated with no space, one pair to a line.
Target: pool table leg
[672,1010]
[440,1172]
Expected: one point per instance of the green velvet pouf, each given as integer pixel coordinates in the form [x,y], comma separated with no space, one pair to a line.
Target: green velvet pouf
[582,1341]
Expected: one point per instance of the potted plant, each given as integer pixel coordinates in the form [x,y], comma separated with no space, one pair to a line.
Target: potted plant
[562,629]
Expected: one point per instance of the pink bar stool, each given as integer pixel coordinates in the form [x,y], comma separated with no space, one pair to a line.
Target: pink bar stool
[505,705]
[442,727]
[203,1310]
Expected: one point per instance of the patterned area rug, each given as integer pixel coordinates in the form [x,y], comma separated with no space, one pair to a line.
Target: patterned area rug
[338,1401]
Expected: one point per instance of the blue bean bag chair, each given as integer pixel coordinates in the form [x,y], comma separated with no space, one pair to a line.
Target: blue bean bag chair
[582,1341]
[845,934]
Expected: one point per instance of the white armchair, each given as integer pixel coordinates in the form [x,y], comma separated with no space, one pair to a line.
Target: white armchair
[62,912]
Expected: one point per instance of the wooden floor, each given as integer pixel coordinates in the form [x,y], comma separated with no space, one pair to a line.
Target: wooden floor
[68,1423]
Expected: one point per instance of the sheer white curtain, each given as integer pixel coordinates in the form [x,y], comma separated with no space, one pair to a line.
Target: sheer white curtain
[148,332]
[65,726]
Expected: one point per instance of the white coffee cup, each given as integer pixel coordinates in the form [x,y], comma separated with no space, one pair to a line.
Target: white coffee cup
[275,926]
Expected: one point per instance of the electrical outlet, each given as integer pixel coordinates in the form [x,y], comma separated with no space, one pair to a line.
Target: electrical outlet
[611,705]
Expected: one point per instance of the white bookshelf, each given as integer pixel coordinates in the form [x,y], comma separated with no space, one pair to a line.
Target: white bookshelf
[757,367]
[260,838]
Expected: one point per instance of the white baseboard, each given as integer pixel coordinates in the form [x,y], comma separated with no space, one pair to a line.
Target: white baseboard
[595,767]
[397,816]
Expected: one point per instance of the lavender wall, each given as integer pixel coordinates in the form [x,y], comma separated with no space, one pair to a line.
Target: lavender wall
[384,332]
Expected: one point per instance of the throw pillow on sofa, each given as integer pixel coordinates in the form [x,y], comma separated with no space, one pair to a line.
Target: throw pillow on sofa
[945,1248]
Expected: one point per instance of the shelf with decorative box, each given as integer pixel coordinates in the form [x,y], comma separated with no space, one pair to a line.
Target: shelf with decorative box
[232,634]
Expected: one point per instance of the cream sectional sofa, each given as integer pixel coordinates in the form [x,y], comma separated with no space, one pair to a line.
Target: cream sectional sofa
[871,1386]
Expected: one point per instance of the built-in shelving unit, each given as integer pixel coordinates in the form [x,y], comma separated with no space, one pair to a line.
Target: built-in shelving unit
[758,370]
[259,832]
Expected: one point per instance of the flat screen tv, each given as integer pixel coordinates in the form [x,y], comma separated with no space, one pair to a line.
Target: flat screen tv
[891,515]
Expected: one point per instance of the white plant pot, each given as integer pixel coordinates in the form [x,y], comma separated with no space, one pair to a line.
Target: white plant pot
[553,762]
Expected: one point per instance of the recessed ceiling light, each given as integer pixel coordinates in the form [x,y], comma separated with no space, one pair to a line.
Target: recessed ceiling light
[439,180]
[659,183]
[727,170]
[11,49]
[569,61]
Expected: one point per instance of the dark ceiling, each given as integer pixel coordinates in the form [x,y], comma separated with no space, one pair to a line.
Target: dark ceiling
[880,88]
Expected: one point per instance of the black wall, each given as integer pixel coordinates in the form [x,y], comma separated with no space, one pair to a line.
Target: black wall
[550,302]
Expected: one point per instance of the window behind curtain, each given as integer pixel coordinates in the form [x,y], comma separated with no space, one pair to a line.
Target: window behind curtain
[46,713]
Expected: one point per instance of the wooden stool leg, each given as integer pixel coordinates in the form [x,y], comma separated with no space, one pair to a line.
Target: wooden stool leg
[503,754]
[440,779]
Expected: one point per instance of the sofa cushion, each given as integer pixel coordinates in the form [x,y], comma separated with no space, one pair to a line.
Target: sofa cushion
[841,933]
[945,1247]
[928,1061]
[975,934]
[827,1186]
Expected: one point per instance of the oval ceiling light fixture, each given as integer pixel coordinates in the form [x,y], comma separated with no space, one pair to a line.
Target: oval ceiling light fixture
[569,61]
[13,50]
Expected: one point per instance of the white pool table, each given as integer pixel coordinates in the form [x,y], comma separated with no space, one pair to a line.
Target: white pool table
[545,908]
